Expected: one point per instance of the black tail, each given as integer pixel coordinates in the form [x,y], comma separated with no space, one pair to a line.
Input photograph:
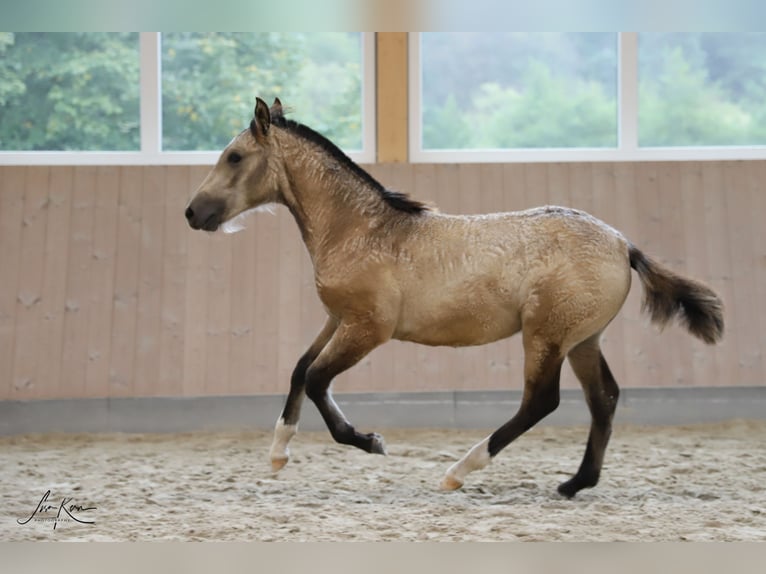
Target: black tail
[667,296]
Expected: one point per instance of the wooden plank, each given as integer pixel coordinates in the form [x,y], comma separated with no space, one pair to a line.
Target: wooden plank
[126,276]
[535,185]
[171,373]
[392,97]
[664,347]
[625,200]
[558,184]
[602,191]
[101,279]
[581,186]
[739,206]
[694,257]
[148,324]
[12,191]
[267,256]
[30,285]
[719,269]
[74,360]
[756,172]
[492,186]
[218,315]
[53,303]
[243,284]
[647,208]
[195,316]
[671,215]
[514,187]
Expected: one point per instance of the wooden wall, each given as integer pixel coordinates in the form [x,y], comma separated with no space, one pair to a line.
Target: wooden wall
[104,290]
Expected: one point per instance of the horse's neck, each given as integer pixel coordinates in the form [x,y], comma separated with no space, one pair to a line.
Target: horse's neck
[330,206]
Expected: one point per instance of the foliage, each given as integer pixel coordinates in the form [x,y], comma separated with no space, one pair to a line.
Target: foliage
[702,89]
[81,91]
[69,91]
[210,81]
[548,113]
[559,90]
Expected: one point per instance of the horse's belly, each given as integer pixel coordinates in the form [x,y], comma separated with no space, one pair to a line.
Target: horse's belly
[458,327]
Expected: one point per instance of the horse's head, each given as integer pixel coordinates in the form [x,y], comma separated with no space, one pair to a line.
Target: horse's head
[246,176]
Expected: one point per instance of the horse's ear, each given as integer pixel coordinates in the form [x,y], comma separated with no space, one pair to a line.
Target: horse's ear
[276,109]
[259,126]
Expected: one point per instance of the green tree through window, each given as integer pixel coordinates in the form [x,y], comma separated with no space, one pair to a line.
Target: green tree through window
[69,91]
[80,91]
[210,80]
[706,89]
[518,90]
[559,90]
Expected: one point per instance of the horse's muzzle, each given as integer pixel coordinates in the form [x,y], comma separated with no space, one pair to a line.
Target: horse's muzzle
[205,214]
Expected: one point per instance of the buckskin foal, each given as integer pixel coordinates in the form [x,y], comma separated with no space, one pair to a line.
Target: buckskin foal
[389,267]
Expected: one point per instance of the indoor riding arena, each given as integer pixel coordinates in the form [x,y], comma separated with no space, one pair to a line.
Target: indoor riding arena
[147,350]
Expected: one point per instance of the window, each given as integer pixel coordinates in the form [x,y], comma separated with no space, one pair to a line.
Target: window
[706,89]
[69,91]
[587,97]
[209,81]
[518,90]
[175,98]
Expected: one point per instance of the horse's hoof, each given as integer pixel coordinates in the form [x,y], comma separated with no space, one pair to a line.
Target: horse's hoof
[377,444]
[571,487]
[577,483]
[566,490]
[278,464]
[450,483]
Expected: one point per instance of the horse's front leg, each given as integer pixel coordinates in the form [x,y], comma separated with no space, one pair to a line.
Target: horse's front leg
[351,341]
[287,424]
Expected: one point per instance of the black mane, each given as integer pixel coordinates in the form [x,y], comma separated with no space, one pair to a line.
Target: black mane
[397,200]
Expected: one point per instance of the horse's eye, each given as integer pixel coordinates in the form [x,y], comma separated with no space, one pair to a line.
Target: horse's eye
[234,157]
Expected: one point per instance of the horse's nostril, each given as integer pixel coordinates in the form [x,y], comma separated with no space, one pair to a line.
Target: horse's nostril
[189,213]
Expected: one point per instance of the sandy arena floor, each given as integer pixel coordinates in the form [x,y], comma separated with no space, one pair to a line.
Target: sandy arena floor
[663,484]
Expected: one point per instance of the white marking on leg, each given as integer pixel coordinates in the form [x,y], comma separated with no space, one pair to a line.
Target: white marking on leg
[476,459]
[279,452]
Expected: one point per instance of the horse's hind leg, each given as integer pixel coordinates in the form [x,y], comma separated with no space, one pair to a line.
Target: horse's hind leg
[601,394]
[542,369]
[287,424]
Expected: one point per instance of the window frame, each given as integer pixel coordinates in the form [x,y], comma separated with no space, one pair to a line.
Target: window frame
[627,126]
[150,113]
